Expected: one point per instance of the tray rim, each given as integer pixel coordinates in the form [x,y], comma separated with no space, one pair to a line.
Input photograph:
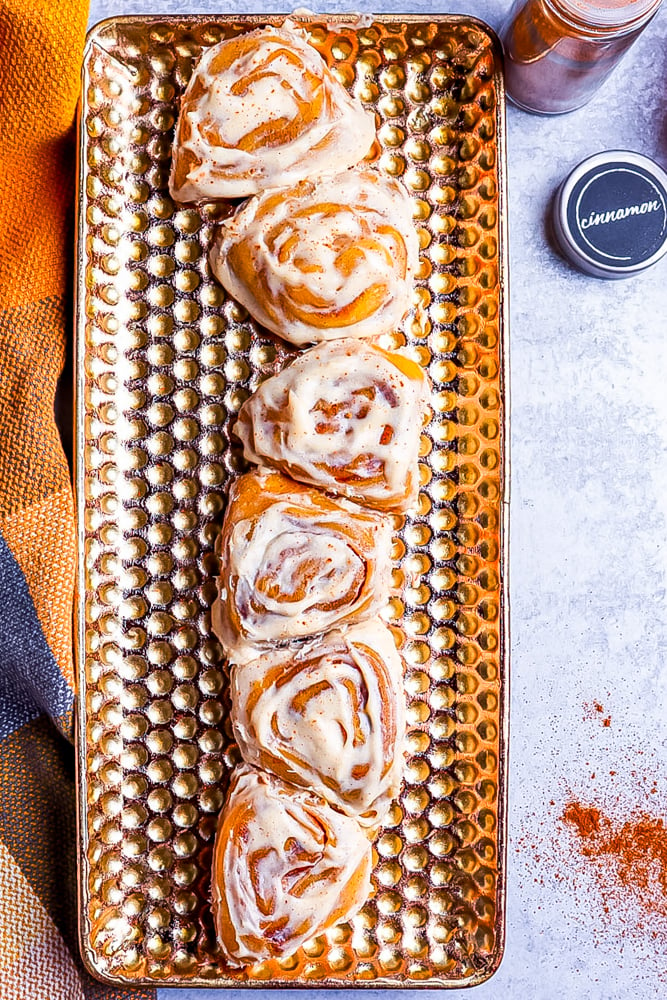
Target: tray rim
[384,982]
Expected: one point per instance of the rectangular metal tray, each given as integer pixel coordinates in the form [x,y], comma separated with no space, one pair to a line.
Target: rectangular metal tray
[164,360]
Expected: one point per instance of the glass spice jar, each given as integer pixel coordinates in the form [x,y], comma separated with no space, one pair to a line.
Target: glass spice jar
[559,52]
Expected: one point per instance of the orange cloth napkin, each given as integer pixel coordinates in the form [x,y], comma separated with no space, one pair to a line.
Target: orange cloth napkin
[41,44]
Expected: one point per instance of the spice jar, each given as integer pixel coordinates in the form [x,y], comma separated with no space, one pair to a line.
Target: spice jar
[610,214]
[559,52]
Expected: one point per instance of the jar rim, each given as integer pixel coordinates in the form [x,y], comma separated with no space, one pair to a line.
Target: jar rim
[606,15]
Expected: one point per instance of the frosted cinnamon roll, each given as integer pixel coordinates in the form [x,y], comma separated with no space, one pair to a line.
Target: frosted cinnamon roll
[286,866]
[329,717]
[263,110]
[345,416]
[293,563]
[328,258]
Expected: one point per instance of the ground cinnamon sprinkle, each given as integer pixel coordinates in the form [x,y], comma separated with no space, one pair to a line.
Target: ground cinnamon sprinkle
[631,864]
[586,819]
[602,847]
[596,708]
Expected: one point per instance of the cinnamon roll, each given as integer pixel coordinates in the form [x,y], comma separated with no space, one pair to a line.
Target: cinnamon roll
[295,562]
[345,416]
[263,110]
[329,717]
[328,258]
[286,866]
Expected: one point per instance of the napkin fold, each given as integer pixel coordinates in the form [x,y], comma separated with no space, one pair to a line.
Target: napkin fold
[41,45]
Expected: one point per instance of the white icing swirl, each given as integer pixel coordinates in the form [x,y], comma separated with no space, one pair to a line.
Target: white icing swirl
[294,563]
[329,716]
[345,416]
[286,866]
[326,259]
[263,110]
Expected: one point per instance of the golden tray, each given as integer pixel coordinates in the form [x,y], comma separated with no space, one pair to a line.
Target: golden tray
[164,360]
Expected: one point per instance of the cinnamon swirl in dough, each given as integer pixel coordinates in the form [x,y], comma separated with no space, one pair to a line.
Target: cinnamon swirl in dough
[295,562]
[285,867]
[329,716]
[328,258]
[263,110]
[345,416]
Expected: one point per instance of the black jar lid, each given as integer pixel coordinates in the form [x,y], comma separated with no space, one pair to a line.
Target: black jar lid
[610,214]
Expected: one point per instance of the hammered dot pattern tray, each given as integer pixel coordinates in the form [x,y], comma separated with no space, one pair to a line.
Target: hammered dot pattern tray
[164,361]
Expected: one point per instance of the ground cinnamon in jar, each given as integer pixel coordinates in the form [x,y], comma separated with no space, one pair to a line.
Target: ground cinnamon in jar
[559,52]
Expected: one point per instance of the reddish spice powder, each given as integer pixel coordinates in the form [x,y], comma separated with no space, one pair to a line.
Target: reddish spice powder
[586,819]
[631,857]
[606,846]
[594,710]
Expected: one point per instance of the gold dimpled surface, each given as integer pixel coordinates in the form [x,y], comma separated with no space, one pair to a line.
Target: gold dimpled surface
[164,360]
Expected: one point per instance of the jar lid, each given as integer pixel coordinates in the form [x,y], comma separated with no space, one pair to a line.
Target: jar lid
[610,214]
[613,15]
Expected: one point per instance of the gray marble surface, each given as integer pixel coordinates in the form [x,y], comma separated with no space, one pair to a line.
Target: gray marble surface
[588,560]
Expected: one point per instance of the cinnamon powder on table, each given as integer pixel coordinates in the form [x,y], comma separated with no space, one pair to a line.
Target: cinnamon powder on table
[597,709]
[605,843]
[631,857]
